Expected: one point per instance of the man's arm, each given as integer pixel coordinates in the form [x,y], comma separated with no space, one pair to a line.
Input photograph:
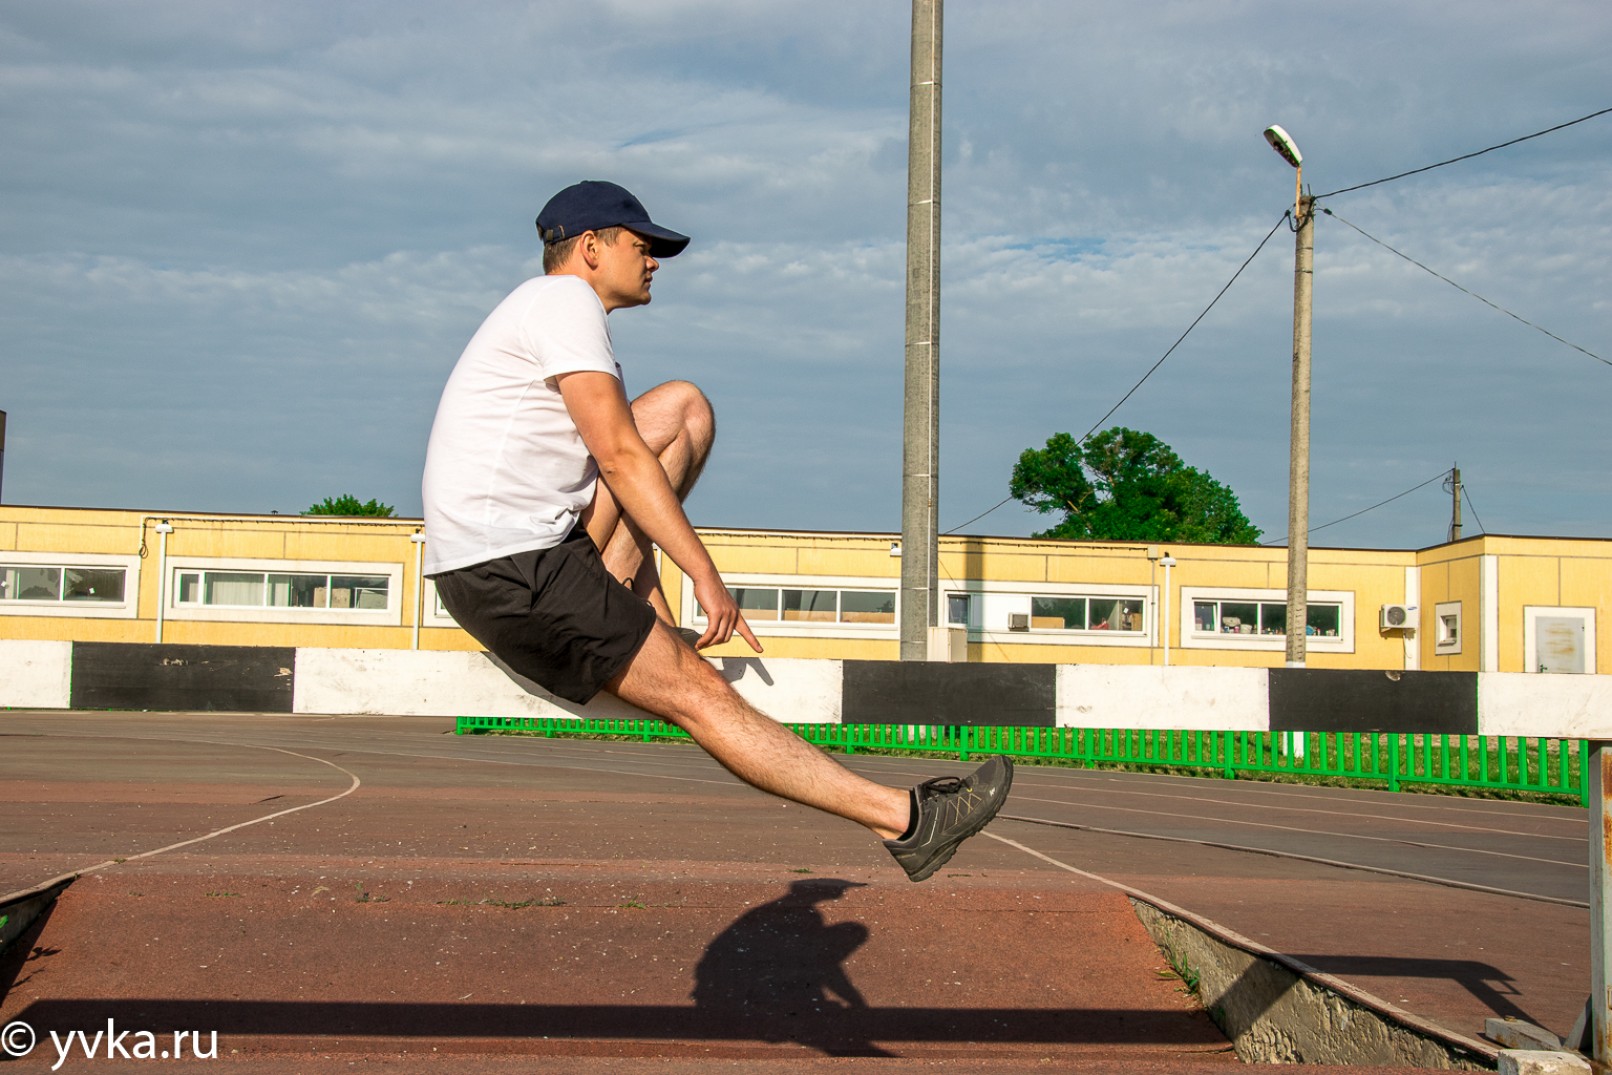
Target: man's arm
[603,417]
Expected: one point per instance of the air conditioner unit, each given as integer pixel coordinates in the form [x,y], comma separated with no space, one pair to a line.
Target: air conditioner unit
[1018,621]
[1398,618]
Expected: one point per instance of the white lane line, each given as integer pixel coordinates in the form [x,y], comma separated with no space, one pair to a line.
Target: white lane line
[1266,825]
[1247,944]
[906,764]
[1332,813]
[1336,863]
[1310,832]
[354,786]
[347,747]
[1279,790]
[554,751]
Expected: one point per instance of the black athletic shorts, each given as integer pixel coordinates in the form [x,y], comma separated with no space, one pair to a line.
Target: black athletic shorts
[555,616]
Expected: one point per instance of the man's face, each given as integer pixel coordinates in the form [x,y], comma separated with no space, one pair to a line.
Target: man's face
[625,271]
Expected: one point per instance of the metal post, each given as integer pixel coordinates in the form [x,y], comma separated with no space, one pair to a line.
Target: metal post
[1455,509]
[920,470]
[1600,1006]
[1164,627]
[1298,497]
[2,447]
[418,538]
[164,528]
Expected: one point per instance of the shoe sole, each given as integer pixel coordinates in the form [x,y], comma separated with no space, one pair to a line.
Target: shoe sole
[946,851]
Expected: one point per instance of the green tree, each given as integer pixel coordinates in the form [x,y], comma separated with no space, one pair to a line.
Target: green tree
[347,504]
[1124,485]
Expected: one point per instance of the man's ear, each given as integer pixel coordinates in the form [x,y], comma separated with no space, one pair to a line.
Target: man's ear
[588,246]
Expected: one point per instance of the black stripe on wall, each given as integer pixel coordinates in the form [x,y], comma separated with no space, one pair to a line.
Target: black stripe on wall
[173,678]
[1350,700]
[925,692]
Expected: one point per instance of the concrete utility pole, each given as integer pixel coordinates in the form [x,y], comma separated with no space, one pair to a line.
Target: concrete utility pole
[1298,495]
[920,470]
[1455,511]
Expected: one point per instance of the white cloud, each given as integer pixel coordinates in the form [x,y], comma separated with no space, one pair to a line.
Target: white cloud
[266,231]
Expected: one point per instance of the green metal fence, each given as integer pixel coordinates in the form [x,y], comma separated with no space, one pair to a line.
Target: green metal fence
[1544,766]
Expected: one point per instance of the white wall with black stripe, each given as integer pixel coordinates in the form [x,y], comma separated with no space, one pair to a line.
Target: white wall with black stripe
[240,679]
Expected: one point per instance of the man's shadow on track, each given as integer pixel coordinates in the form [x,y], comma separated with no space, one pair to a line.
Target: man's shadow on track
[779,971]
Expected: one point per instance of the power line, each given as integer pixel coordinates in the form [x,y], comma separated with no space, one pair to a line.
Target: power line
[1190,327]
[1286,216]
[1464,291]
[981,515]
[1466,156]
[1374,507]
[1154,368]
[1466,492]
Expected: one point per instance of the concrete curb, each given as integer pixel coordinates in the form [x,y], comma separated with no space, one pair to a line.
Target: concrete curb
[1276,1009]
[20,910]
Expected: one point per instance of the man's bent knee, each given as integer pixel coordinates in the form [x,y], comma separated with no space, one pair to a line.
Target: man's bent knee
[684,405]
[670,680]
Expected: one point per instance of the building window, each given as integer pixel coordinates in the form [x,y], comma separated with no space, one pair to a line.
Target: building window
[792,605]
[1447,627]
[1211,617]
[1215,618]
[283,590]
[810,606]
[53,584]
[1086,614]
[434,614]
[867,606]
[88,586]
[1051,614]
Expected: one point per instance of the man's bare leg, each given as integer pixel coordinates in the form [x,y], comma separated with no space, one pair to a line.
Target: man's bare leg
[670,680]
[678,424]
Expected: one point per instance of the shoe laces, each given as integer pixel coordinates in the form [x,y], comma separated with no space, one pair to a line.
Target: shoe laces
[940,785]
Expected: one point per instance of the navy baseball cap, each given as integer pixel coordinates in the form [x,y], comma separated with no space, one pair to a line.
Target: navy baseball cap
[594,205]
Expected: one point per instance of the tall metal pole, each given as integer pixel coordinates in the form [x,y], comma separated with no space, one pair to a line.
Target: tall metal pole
[1599,1022]
[1455,508]
[1298,493]
[920,470]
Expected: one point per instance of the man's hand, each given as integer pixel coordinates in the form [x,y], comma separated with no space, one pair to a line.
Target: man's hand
[603,417]
[722,615]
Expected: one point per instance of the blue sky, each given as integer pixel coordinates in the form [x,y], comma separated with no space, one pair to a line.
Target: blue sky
[243,244]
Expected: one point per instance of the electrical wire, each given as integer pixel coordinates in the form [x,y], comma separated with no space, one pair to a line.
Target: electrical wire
[1154,368]
[1465,156]
[1190,327]
[1437,477]
[1286,216]
[1466,493]
[1464,291]
[980,516]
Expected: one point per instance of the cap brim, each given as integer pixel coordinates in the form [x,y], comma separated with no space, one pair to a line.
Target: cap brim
[663,242]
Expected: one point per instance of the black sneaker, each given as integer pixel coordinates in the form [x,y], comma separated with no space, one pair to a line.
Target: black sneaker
[950,809]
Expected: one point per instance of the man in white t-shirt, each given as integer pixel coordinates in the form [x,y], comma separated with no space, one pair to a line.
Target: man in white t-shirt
[545,490]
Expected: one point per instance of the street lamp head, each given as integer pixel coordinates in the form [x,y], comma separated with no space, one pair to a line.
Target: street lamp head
[1283,143]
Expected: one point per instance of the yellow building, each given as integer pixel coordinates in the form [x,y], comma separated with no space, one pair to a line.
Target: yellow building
[1484,604]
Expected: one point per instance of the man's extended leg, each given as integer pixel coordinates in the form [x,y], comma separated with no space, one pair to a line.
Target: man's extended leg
[677,422]
[671,681]
[921,828]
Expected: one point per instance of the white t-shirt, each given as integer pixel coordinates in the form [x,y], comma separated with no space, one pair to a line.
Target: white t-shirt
[506,470]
